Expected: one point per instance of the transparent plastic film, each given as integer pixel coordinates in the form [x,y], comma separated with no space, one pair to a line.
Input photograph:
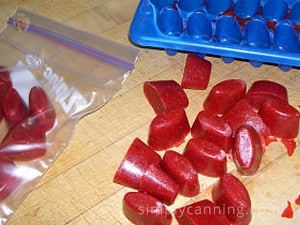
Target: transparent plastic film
[51,76]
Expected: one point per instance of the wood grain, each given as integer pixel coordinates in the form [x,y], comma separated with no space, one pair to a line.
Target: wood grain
[78,187]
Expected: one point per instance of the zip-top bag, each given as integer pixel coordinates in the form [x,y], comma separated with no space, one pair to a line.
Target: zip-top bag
[51,76]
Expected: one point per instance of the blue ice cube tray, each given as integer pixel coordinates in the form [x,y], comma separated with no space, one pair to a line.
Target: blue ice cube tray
[259,31]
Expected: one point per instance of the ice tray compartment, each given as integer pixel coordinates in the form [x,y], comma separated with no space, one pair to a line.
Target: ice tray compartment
[256,30]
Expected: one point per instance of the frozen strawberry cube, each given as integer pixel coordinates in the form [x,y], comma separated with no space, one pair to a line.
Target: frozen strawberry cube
[159,184]
[247,151]
[208,158]
[212,127]
[165,95]
[242,113]
[224,95]
[281,118]
[135,163]
[196,73]
[41,109]
[266,90]
[9,179]
[144,209]
[24,142]
[203,212]
[3,89]
[231,195]
[5,85]
[13,107]
[182,171]
[168,129]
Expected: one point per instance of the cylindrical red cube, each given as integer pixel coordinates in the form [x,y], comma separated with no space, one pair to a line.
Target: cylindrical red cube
[247,151]
[266,90]
[208,158]
[213,128]
[144,209]
[224,95]
[281,118]
[168,129]
[159,184]
[196,73]
[41,109]
[182,171]
[135,163]
[165,95]
[231,195]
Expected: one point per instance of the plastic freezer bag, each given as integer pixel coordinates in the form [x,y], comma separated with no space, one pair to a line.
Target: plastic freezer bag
[51,75]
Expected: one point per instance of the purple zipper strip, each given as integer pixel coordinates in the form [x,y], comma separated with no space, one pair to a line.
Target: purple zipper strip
[75,44]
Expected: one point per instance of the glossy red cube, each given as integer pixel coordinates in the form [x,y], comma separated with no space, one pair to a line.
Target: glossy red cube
[24,142]
[5,84]
[224,95]
[281,118]
[242,113]
[231,195]
[208,158]
[247,151]
[143,209]
[182,171]
[13,107]
[196,73]
[214,128]
[165,95]
[168,129]
[41,109]
[135,163]
[158,183]
[266,90]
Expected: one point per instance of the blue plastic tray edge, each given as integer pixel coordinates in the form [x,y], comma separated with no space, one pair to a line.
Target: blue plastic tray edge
[141,37]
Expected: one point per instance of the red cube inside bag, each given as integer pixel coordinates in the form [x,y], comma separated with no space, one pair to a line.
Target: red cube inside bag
[14,108]
[41,109]
[9,179]
[5,84]
[24,142]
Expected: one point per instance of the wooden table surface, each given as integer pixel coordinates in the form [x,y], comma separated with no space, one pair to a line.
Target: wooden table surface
[78,187]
